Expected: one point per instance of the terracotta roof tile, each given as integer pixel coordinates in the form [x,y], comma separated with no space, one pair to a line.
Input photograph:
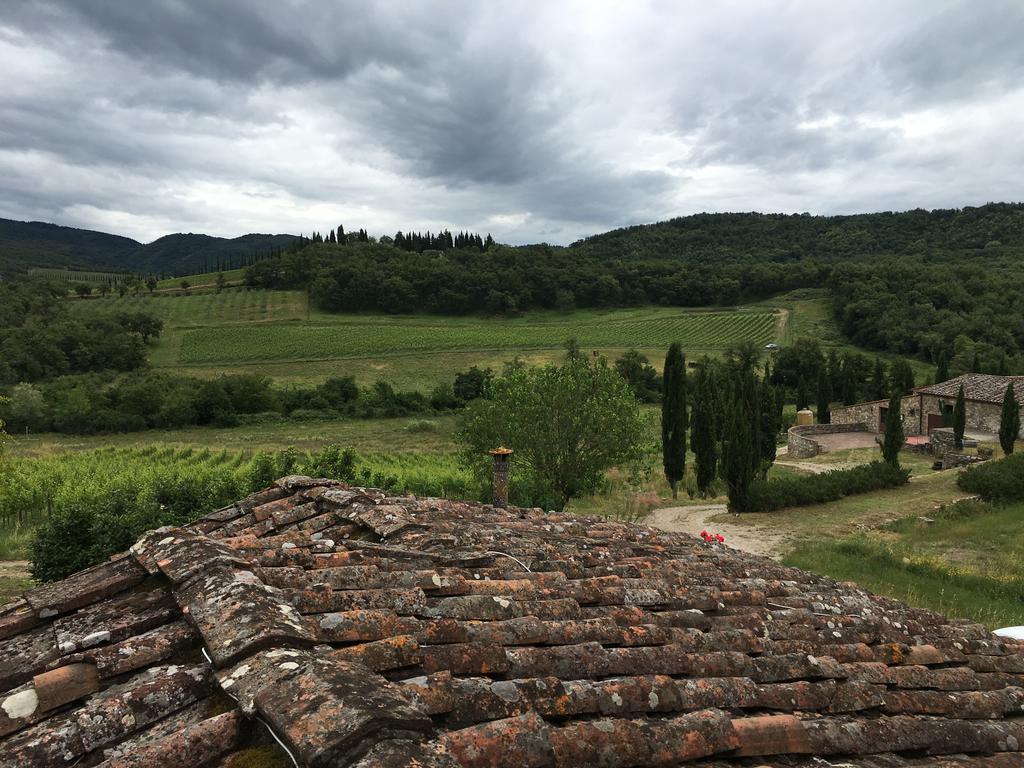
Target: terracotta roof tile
[371,630]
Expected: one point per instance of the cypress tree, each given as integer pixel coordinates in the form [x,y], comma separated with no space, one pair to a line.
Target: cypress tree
[976,364]
[803,397]
[737,450]
[1009,420]
[702,437]
[959,418]
[768,427]
[941,368]
[673,417]
[878,380]
[824,397]
[893,432]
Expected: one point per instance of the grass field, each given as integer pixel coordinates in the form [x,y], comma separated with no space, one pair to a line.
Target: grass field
[966,560]
[275,333]
[205,279]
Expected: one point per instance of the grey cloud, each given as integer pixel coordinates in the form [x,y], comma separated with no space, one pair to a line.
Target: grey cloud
[568,119]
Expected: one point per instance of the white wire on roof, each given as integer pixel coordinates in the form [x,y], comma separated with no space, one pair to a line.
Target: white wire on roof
[260,719]
[506,554]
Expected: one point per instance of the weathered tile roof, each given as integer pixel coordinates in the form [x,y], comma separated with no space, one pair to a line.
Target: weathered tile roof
[367,630]
[980,387]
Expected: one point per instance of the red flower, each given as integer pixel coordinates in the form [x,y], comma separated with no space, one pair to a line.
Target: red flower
[703,534]
[719,538]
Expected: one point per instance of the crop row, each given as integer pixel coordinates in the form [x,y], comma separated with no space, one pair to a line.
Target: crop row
[340,339]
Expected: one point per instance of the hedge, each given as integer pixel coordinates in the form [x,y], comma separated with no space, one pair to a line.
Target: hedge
[1001,480]
[770,495]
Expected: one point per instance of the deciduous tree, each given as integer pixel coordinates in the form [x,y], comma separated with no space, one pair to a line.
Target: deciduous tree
[567,424]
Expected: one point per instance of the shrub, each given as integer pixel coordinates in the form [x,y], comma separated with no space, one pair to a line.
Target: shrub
[798,491]
[422,425]
[998,481]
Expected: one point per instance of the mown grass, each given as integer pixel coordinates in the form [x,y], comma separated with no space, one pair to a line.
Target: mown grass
[968,562]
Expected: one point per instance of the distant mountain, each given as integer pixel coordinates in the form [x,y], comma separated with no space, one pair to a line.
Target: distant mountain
[27,244]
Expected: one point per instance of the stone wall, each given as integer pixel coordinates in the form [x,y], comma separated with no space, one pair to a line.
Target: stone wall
[981,417]
[868,414]
[800,439]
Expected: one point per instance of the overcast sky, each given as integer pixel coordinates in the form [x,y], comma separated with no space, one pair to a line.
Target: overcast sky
[531,120]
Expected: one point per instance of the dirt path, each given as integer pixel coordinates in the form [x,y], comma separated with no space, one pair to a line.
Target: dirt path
[756,539]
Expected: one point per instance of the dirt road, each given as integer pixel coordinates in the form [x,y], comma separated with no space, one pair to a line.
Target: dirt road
[756,539]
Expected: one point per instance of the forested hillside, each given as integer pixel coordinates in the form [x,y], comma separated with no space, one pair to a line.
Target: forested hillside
[26,244]
[917,283]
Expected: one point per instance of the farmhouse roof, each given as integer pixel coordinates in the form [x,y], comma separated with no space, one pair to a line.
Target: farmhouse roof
[980,387]
[368,630]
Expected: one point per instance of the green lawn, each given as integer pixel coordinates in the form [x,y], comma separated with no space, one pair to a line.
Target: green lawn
[965,561]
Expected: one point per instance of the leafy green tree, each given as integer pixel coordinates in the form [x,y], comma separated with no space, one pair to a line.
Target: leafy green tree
[738,454]
[641,375]
[894,438]
[567,425]
[959,418]
[471,384]
[824,397]
[26,407]
[221,281]
[83,290]
[942,367]
[702,434]
[151,283]
[673,417]
[1009,421]
[185,285]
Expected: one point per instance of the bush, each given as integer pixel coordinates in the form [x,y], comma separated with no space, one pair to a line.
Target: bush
[999,481]
[769,495]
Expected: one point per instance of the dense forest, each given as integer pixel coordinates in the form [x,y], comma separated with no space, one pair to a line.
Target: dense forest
[915,283]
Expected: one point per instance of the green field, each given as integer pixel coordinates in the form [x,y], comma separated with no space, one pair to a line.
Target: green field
[965,560]
[275,333]
[205,279]
[357,336]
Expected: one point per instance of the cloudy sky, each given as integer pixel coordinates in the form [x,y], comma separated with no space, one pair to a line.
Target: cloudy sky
[535,120]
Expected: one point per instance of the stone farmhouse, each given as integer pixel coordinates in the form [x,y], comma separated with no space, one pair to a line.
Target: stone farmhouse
[930,408]
[315,624]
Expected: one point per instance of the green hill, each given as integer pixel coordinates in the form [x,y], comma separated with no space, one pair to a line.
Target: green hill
[28,244]
[791,237]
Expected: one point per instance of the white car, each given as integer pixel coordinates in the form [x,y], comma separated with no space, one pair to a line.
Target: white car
[771,345]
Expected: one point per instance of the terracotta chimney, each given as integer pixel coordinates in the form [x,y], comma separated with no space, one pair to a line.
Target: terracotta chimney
[502,460]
